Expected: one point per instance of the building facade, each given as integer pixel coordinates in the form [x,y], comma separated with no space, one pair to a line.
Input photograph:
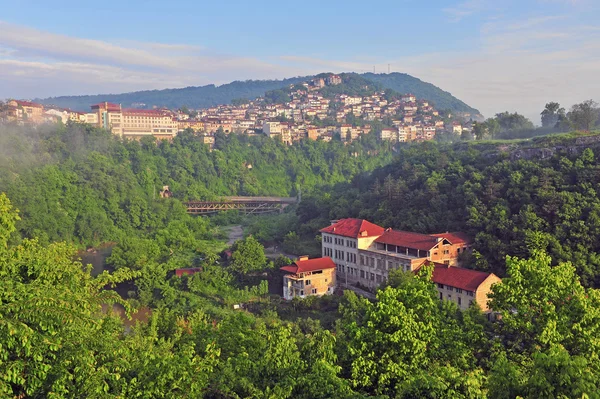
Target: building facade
[309,277]
[464,286]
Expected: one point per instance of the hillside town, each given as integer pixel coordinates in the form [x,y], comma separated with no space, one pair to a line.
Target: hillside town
[305,114]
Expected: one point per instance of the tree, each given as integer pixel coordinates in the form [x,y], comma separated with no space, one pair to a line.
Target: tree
[583,116]
[552,114]
[248,256]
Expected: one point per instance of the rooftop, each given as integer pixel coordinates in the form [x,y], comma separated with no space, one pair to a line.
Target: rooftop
[458,277]
[355,228]
[309,265]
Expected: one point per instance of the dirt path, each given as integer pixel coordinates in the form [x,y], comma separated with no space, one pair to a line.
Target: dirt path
[235,233]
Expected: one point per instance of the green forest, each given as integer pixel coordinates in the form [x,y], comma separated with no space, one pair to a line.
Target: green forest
[531,206]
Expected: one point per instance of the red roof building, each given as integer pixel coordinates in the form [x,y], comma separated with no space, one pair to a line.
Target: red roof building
[187,271]
[365,252]
[354,228]
[309,277]
[463,286]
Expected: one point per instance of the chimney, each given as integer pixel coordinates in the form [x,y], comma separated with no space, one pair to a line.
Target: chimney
[302,257]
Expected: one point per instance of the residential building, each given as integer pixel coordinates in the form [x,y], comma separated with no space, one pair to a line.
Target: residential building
[365,252]
[309,277]
[333,80]
[464,286]
[28,111]
[388,135]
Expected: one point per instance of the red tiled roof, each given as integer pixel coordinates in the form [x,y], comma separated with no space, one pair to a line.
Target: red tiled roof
[310,265]
[28,104]
[458,277]
[354,228]
[455,237]
[189,271]
[408,239]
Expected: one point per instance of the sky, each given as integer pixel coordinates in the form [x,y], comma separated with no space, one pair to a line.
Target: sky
[496,55]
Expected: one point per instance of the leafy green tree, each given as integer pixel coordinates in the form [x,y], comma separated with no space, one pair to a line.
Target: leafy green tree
[248,255]
[583,116]
[552,114]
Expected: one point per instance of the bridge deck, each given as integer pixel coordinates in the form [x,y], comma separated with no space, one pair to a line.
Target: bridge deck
[248,205]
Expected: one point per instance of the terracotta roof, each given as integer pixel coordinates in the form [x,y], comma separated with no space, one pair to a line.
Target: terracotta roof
[28,104]
[354,228]
[408,239]
[458,277]
[310,265]
[455,237]
[188,271]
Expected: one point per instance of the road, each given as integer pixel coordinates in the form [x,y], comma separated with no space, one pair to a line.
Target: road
[235,233]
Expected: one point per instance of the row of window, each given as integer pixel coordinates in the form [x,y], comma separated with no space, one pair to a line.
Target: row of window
[352,271]
[339,241]
[459,299]
[459,290]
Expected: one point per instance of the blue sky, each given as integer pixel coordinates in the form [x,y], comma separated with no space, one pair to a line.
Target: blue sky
[494,54]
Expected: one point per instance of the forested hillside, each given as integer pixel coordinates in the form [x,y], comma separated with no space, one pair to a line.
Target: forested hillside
[82,185]
[211,95]
[404,83]
[59,339]
[510,206]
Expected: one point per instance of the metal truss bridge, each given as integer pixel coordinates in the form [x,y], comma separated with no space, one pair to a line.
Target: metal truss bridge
[247,205]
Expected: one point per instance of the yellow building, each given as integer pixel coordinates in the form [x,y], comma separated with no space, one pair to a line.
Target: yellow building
[133,123]
[464,286]
[308,277]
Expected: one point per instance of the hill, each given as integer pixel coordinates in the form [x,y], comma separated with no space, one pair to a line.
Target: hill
[404,83]
[211,95]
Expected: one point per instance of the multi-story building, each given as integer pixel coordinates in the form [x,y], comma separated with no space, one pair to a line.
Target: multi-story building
[463,286]
[27,111]
[138,123]
[388,135]
[365,253]
[308,277]
[134,123]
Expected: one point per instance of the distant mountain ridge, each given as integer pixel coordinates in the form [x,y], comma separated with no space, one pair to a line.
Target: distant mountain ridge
[211,95]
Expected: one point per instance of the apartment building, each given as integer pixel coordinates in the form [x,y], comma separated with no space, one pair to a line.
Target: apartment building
[365,252]
[26,111]
[309,277]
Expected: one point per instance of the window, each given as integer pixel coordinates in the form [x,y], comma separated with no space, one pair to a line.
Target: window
[314,291]
[301,292]
[307,282]
[362,274]
[459,290]
[440,285]
[372,276]
[470,303]
[362,260]
[446,262]
[446,252]
[470,293]
[441,296]
[449,296]
[459,301]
